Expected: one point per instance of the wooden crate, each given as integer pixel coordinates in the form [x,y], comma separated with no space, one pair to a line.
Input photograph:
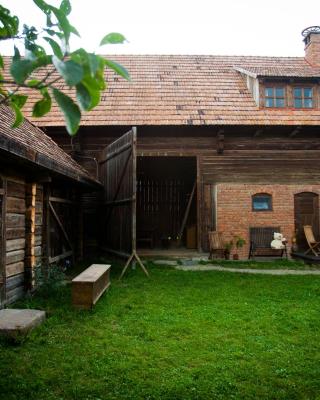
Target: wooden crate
[89,286]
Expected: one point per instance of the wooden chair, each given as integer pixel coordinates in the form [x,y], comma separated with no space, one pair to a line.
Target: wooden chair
[216,244]
[260,242]
[314,246]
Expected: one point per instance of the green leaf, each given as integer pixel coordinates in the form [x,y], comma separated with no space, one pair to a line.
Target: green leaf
[83,96]
[42,61]
[45,7]
[65,7]
[71,72]
[42,106]
[16,55]
[9,24]
[71,111]
[87,97]
[19,116]
[33,83]
[119,69]
[50,32]
[20,70]
[63,23]
[54,46]
[113,38]
[19,100]
[1,62]
[74,31]
[94,63]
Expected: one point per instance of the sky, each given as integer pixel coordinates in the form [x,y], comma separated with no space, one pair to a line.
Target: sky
[226,27]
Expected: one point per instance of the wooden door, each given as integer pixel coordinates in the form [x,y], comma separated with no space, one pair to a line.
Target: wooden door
[306,210]
[118,176]
[208,215]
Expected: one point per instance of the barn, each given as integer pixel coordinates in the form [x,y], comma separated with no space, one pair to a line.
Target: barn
[200,143]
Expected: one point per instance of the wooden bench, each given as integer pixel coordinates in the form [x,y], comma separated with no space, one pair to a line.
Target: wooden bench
[89,286]
[260,243]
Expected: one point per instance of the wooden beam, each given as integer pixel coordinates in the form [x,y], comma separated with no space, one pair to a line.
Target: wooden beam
[220,141]
[30,257]
[61,200]
[258,132]
[295,132]
[60,224]
[3,252]
[186,214]
[60,257]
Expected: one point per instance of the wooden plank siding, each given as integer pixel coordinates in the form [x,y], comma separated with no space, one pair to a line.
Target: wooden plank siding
[248,155]
[15,238]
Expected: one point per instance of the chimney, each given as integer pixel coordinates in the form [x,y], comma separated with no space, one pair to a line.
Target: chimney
[311,38]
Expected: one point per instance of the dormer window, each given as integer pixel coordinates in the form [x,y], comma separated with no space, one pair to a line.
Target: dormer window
[274,96]
[303,97]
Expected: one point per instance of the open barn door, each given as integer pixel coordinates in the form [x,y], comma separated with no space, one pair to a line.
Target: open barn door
[118,176]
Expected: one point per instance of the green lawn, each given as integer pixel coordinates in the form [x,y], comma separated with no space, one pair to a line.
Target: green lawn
[263,264]
[179,335]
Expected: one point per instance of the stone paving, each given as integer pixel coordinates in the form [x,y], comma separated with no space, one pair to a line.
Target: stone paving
[16,323]
[247,270]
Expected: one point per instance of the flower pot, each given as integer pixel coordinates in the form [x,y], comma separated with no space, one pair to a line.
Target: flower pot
[235,257]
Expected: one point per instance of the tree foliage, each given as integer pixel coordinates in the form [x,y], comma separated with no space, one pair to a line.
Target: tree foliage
[81,70]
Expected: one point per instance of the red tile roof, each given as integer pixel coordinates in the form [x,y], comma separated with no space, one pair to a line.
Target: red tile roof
[280,71]
[185,90]
[30,143]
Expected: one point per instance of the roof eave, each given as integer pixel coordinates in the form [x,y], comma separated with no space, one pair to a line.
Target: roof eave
[17,149]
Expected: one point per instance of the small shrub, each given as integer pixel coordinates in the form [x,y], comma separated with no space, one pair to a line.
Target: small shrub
[49,278]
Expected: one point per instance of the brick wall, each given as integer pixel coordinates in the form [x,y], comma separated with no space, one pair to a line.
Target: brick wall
[312,49]
[235,215]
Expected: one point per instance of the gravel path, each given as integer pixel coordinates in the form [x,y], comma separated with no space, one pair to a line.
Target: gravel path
[248,270]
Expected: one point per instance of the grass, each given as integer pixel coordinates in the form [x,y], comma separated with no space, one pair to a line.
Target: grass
[179,335]
[259,264]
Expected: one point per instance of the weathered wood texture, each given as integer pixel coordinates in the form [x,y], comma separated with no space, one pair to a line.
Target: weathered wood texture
[15,230]
[3,187]
[62,216]
[306,212]
[118,175]
[164,187]
[89,286]
[264,155]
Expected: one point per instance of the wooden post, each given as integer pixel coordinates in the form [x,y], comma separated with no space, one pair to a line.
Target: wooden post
[199,202]
[46,225]
[30,259]
[3,253]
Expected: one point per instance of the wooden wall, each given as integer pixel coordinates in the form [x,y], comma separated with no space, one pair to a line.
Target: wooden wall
[15,231]
[283,154]
[25,231]
[23,234]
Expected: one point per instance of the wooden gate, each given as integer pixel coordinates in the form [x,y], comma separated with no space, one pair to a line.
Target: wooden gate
[306,210]
[118,167]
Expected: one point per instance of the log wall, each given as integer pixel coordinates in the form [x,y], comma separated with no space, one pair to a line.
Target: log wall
[15,230]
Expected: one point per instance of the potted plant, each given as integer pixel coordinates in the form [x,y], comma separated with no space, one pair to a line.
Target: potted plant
[228,246]
[240,242]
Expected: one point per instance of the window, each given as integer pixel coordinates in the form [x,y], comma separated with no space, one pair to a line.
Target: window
[274,96]
[302,97]
[262,202]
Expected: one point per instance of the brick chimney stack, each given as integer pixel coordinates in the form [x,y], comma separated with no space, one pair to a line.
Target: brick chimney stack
[311,38]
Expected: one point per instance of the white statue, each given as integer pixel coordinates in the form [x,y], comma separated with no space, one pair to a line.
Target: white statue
[279,242]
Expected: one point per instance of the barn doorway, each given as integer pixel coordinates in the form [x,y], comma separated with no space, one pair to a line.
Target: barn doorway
[306,212]
[166,203]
